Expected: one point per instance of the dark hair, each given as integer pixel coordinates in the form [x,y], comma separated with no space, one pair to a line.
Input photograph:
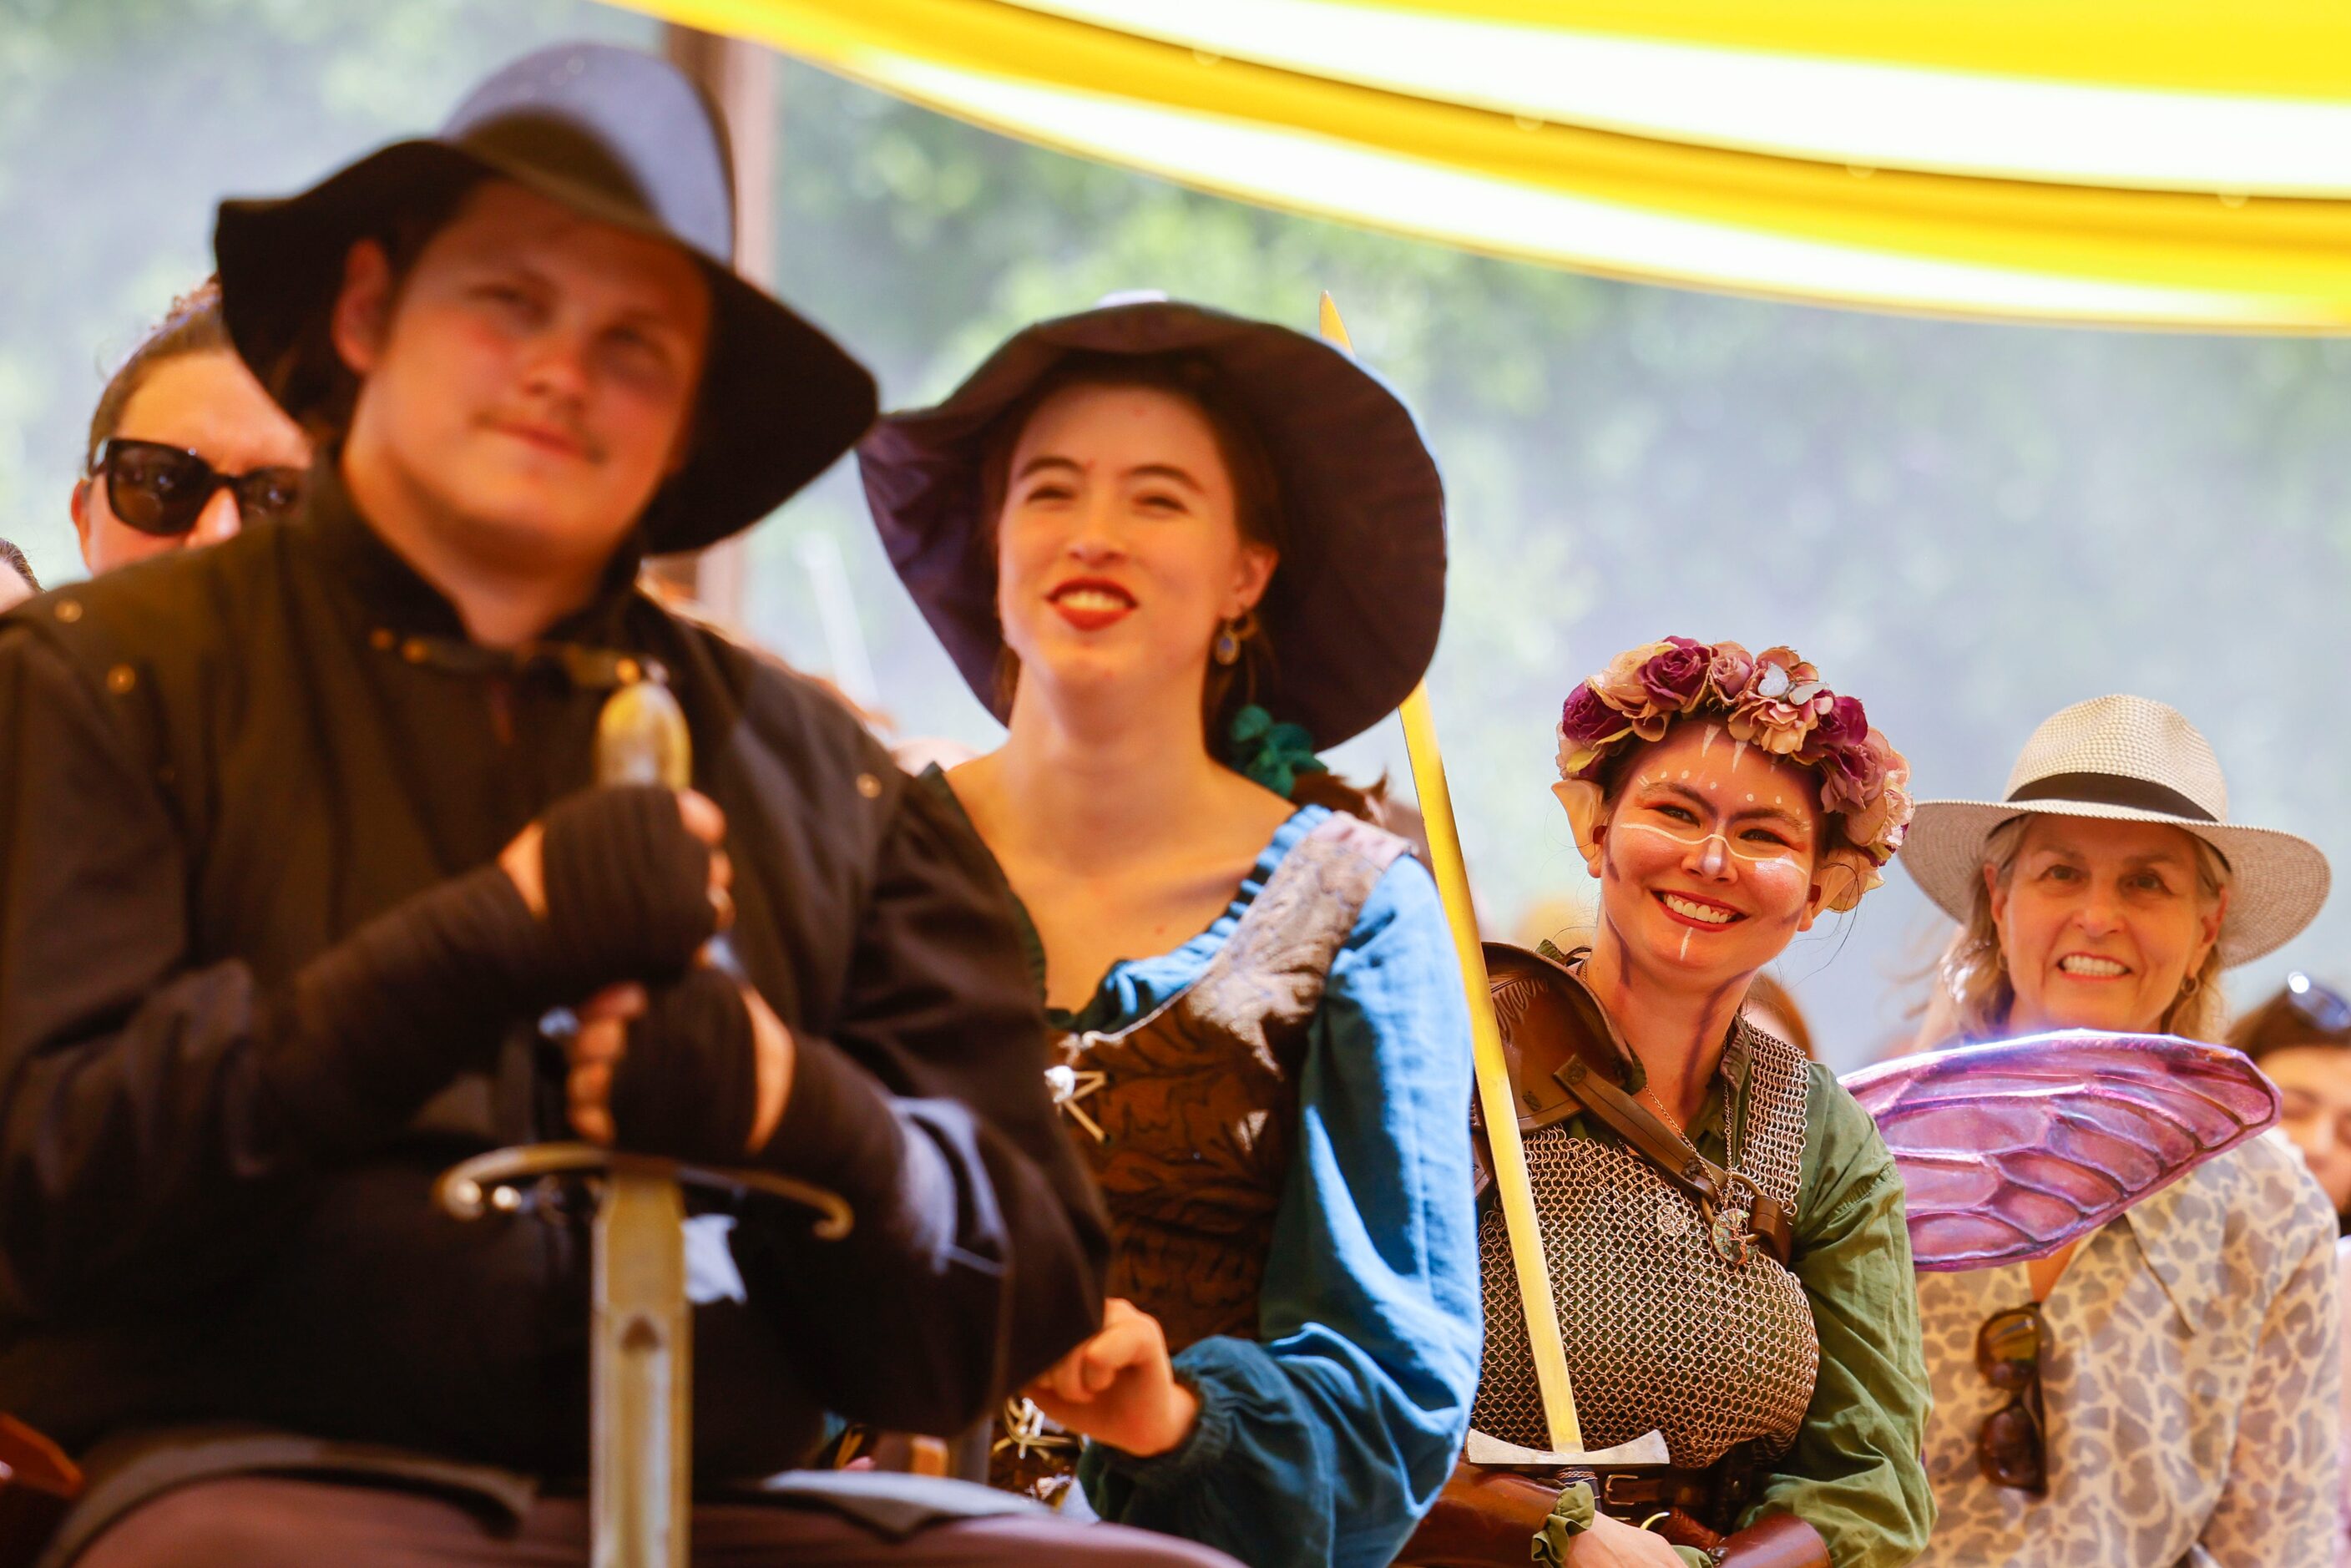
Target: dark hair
[308,378]
[2289,1018]
[1258,513]
[191,326]
[13,556]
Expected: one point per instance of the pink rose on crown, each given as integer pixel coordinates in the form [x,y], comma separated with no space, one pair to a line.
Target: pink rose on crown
[1651,682]
[1675,679]
[1845,724]
[1620,685]
[1851,772]
[1588,727]
[1732,667]
[1879,826]
[1773,701]
[1655,684]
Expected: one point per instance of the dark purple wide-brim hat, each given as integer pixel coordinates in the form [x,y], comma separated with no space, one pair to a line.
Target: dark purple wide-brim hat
[1353,608]
[621,138]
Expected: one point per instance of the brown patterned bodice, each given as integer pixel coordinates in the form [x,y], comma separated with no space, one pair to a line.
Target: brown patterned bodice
[1188,1116]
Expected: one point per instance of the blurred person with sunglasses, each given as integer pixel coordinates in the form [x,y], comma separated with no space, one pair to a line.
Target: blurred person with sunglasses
[2301,1038]
[185,448]
[2166,1390]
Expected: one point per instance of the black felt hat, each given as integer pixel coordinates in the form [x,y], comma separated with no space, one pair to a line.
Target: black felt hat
[624,139]
[1353,607]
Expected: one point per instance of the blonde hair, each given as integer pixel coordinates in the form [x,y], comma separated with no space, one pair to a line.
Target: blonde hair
[1975,976]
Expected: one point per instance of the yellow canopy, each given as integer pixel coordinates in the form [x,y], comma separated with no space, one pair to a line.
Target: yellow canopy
[2169,163]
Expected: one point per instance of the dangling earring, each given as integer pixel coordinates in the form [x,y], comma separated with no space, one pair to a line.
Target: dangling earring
[1226,649]
[2190,985]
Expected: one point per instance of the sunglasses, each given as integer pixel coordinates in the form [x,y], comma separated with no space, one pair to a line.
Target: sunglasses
[2318,1004]
[161,490]
[2008,1450]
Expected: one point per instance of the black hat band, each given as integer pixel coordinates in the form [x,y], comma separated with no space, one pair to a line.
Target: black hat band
[2111,789]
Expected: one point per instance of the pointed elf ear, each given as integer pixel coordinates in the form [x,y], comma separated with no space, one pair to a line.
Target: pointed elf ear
[1582,799]
[1843,874]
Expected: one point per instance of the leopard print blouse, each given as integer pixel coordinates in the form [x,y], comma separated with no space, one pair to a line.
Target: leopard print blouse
[2192,1379]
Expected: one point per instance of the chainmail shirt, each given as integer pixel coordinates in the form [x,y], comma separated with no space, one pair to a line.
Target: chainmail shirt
[1661,1332]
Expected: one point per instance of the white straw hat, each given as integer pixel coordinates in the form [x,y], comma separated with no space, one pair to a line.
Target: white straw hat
[2128,759]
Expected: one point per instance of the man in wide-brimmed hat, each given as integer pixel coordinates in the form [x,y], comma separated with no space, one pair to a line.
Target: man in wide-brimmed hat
[299,845]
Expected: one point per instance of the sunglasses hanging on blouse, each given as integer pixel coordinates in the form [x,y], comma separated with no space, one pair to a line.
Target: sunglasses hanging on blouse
[2011,1448]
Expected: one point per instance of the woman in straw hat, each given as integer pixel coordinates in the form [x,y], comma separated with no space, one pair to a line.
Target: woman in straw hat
[1172,549]
[2164,1392]
[1722,1223]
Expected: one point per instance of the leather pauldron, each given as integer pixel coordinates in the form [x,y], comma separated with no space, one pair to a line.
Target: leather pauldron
[1565,1057]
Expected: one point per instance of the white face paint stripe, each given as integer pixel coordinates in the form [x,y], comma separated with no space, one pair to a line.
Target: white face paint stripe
[1771,856]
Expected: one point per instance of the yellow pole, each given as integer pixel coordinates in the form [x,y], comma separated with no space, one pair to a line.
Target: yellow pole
[1493,1073]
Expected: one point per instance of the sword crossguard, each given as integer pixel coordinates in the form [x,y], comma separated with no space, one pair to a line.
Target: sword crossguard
[488,1183]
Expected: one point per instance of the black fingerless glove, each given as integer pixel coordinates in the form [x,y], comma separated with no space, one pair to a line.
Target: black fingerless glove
[687,1085]
[627,890]
[376,1024]
[372,1027]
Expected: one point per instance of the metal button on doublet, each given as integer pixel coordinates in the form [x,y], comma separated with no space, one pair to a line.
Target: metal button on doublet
[121,679]
[68,611]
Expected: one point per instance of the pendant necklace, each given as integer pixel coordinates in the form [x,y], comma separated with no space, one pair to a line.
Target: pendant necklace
[1727,1227]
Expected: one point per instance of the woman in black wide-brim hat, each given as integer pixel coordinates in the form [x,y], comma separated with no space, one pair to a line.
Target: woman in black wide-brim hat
[1174,550]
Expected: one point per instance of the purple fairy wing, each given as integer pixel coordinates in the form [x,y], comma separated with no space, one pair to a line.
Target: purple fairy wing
[2008,1152]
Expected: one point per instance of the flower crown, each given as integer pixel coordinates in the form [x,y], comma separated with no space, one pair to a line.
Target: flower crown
[1773,700]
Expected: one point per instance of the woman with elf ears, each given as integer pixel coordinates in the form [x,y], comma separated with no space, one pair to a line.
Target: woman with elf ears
[1722,1224]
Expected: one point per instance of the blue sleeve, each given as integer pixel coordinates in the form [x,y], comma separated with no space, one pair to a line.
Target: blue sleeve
[1324,1440]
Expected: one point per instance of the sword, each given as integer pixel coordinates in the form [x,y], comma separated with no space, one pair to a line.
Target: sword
[640,1360]
[640,1326]
[1493,1073]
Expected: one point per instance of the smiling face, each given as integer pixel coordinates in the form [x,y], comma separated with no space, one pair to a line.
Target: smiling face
[1119,550]
[205,402]
[529,382]
[2101,923]
[1709,857]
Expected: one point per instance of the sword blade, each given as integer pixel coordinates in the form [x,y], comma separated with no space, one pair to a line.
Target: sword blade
[639,1491]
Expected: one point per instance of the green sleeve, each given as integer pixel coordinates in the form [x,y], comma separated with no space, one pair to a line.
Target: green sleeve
[1854,1473]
